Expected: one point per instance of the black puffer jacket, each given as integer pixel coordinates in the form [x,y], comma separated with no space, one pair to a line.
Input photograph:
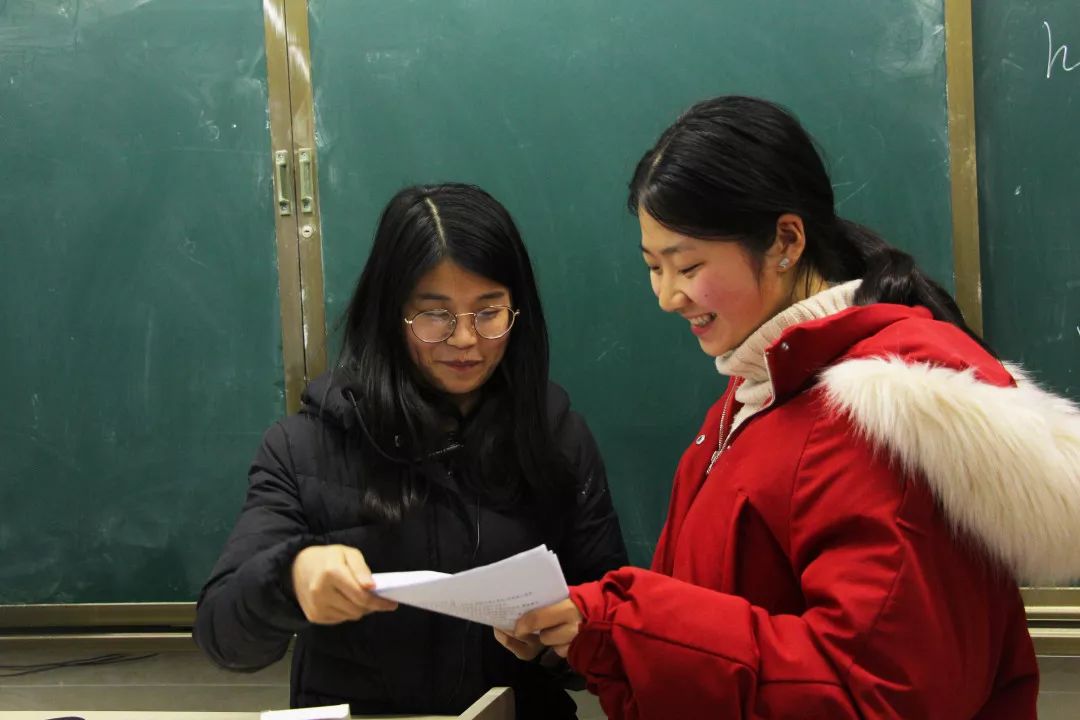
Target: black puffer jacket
[406,661]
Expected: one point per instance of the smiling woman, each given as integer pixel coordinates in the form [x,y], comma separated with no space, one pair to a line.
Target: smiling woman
[458,357]
[437,443]
[845,537]
[718,286]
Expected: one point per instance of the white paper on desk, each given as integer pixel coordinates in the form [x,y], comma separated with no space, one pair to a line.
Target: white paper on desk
[496,594]
[325,712]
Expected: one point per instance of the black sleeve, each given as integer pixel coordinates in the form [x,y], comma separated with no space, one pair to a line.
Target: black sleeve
[247,611]
[593,542]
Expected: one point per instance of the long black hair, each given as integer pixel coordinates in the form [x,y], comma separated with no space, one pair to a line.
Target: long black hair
[506,447]
[730,166]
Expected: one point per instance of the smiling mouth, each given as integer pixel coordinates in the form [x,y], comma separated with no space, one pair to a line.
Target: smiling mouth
[461,364]
[700,321]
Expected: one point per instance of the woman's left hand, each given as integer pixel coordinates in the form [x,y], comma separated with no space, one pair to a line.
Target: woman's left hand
[555,625]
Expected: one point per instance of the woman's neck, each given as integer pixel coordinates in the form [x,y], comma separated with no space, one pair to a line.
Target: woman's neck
[466,402]
[806,287]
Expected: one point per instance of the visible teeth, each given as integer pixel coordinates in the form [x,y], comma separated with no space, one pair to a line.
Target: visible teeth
[702,320]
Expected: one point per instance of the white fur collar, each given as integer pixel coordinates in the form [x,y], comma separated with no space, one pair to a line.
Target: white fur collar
[1003,462]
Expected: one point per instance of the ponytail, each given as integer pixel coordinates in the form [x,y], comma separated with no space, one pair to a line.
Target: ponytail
[890,275]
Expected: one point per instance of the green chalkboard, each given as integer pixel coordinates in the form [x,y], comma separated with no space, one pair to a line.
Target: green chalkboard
[549,105]
[139,330]
[1027,101]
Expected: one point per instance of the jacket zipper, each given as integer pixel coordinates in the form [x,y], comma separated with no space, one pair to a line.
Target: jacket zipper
[724,433]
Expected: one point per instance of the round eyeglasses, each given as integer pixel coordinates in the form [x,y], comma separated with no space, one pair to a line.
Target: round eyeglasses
[435,326]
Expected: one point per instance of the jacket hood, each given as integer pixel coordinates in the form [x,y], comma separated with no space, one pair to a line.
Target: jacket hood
[1000,454]
[325,397]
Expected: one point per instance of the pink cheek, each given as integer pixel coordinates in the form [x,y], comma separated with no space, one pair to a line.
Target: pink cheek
[711,293]
[698,292]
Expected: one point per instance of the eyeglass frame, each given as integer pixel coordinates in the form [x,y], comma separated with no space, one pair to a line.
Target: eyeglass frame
[454,323]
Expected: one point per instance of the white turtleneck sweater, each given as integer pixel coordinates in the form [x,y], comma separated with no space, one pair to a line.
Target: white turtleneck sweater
[748,360]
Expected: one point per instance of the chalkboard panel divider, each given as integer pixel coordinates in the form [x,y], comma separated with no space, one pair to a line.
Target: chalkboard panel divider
[313,302]
[963,172]
[286,225]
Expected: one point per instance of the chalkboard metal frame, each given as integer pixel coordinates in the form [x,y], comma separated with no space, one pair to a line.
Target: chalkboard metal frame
[180,615]
[124,627]
[90,643]
[1053,616]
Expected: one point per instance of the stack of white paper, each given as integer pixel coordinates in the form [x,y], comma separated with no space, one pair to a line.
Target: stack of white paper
[496,594]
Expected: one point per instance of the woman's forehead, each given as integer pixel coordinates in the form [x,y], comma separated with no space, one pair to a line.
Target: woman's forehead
[449,282]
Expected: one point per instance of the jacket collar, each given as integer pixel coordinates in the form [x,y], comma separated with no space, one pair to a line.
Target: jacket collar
[802,352]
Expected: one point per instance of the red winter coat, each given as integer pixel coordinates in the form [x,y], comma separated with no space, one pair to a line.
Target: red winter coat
[854,552]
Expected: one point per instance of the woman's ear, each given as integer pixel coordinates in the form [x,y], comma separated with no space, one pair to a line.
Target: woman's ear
[789,244]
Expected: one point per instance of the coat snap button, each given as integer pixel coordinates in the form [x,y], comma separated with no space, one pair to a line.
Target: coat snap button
[700,439]
[784,346]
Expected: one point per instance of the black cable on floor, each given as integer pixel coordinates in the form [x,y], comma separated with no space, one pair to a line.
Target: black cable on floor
[110,659]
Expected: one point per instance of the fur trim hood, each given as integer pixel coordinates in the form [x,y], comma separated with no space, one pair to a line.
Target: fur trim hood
[1002,460]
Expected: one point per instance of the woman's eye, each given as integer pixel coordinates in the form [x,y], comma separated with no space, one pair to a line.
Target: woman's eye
[654,269]
[688,270]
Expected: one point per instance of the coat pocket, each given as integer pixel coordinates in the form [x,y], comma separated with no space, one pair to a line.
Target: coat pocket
[730,559]
[754,564]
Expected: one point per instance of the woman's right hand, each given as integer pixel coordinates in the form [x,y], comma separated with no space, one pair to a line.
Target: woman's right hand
[333,585]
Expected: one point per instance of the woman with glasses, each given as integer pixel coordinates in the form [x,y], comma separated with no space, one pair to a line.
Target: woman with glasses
[437,443]
[848,527]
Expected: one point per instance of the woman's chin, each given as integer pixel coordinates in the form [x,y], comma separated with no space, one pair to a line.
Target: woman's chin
[713,346]
[457,384]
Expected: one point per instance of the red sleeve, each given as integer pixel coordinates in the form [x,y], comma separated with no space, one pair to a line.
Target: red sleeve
[900,621]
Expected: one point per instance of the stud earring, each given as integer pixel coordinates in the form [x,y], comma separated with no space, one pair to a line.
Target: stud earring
[784,263]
